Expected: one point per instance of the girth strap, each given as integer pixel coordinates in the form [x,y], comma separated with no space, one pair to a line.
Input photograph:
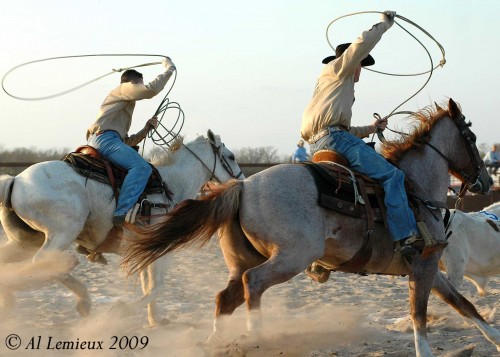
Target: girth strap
[358,262]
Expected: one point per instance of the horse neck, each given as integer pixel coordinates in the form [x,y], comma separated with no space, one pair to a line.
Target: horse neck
[187,174]
[426,169]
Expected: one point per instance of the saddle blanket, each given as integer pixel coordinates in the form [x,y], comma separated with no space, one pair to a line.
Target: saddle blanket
[489,215]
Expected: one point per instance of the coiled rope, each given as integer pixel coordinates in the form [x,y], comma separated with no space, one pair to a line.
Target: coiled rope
[441,63]
[156,137]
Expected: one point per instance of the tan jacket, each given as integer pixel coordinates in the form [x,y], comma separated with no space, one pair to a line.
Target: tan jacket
[116,111]
[334,93]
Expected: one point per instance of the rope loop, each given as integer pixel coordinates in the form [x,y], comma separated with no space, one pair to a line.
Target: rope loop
[157,138]
[441,63]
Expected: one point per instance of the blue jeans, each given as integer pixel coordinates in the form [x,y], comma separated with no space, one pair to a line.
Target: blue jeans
[364,159]
[111,146]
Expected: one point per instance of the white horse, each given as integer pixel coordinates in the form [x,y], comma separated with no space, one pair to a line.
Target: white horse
[474,249]
[51,206]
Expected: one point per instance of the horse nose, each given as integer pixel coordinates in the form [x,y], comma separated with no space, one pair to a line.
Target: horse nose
[490,182]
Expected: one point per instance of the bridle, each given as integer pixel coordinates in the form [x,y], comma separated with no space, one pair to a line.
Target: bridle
[223,161]
[469,175]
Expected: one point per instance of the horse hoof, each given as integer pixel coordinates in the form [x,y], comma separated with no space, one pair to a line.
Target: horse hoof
[162,322]
[318,273]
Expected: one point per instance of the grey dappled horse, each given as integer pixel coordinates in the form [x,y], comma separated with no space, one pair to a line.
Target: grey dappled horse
[52,206]
[271,227]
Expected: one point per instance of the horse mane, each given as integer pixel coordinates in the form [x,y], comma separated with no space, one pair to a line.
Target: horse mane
[168,157]
[422,123]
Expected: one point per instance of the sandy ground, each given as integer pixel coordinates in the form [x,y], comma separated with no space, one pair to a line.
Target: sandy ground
[349,315]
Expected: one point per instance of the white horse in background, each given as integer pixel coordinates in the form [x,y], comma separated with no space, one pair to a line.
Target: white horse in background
[51,206]
[474,248]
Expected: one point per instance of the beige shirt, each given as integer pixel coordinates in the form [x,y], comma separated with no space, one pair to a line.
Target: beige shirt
[334,93]
[117,109]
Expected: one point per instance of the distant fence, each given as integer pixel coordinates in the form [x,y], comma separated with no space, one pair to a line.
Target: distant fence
[469,203]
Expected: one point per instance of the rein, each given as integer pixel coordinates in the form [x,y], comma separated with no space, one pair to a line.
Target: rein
[468,179]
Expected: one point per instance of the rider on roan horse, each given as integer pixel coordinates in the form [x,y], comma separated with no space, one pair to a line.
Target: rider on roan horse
[326,124]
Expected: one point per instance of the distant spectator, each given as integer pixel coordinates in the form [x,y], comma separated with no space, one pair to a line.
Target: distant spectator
[300,155]
[492,160]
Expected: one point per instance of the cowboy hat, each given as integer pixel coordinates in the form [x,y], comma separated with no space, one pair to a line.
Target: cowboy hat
[367,61]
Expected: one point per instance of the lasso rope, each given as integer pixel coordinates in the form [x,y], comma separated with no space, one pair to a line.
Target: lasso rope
[441,63]
[165,104]
[78,86]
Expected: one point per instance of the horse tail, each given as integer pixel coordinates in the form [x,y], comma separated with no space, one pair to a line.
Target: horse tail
[6,182]
[192,222]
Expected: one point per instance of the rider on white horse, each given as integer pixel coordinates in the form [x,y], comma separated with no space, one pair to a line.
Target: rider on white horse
[326,124]
[109,133]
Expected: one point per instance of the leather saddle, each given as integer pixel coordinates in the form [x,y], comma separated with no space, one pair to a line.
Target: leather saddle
[346,191]
[88,162]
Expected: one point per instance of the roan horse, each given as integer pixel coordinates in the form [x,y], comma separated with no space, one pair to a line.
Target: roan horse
[271,227]
[52,206]
[474,249]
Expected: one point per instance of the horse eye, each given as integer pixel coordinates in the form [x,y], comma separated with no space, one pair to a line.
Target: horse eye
[231,157]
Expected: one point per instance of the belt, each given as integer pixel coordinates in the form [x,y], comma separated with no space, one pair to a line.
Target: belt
[103,131]
[314,138]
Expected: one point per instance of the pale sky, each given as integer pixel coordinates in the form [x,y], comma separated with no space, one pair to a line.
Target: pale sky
[246,69]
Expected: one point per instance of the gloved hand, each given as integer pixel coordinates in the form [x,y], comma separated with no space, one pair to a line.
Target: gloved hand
[168,64]
[151,123]
[380,123]
[388,17]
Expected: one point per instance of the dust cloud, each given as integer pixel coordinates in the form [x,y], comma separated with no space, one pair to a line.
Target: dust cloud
[349,315]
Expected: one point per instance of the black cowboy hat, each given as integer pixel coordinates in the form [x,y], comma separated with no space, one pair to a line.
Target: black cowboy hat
[367,61]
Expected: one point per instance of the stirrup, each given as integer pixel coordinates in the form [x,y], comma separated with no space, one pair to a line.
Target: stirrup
[411,246]
[431,245]
[97,258]
[318,273]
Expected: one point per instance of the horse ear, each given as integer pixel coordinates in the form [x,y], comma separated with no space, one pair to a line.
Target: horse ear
[211,136]
[453,109]
[438,108]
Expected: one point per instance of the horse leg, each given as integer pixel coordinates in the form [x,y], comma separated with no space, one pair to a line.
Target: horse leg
[22,241]
[447,292]
[59,242]
[480,283]
[279,268]
[231,240]
[83,302]
[421,278]
[151,280]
